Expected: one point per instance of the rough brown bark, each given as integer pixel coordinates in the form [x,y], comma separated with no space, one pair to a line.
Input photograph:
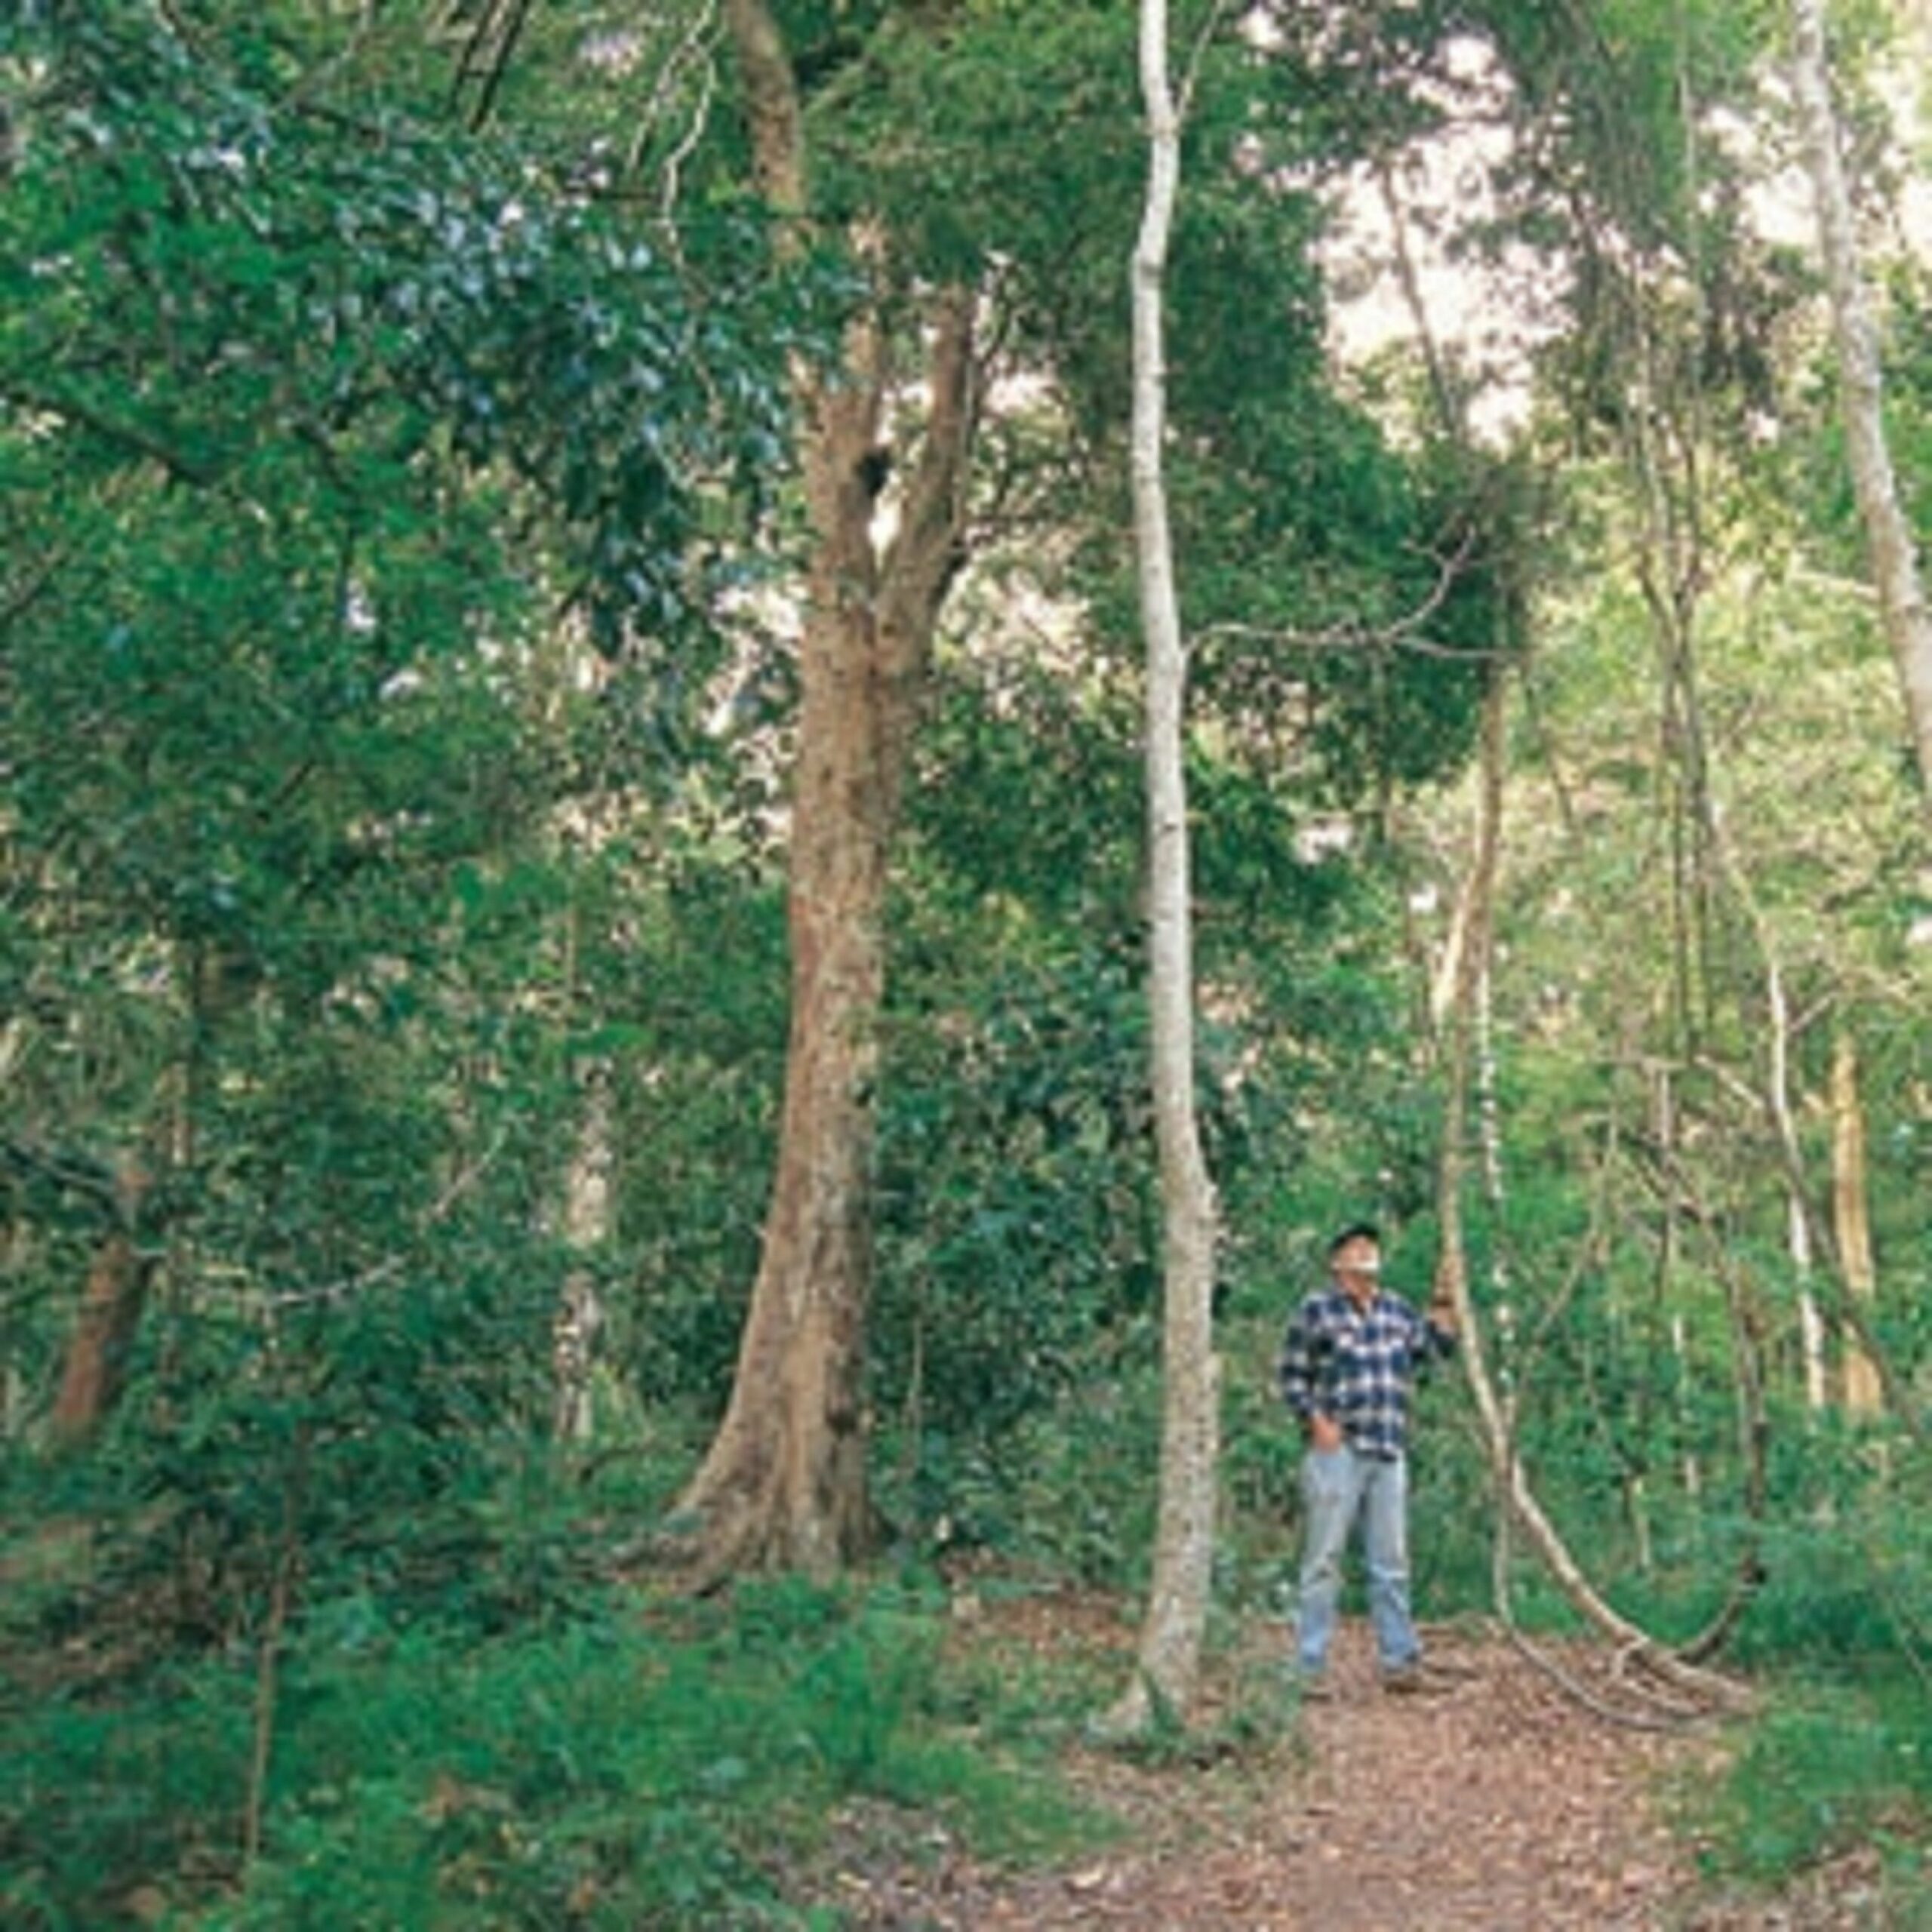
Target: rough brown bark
[784,1484]
[1863,1394]
[93,1371]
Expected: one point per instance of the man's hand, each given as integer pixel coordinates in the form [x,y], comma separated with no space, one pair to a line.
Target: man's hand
[1324,1432]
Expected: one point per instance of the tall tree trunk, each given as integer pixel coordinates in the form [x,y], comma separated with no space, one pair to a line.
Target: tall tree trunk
[1797,1229]
[1863,1395]
[1894,562]
[220,983]
[93,1371]
[1471,936]
[1176,1622]
[1810,1322]
[784,1484]
[586,1229]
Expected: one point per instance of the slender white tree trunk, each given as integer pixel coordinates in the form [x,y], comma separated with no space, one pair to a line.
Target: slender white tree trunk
[586,1229]
[1177,1618]
[1810,1323]
[1894,561]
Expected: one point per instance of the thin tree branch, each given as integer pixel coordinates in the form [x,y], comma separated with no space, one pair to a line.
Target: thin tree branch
[390,1265]
[1398,635]
[692,50]
[130,436]
[1197,55]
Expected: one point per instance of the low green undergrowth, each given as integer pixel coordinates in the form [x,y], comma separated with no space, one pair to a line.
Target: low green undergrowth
[1829,1773]
[1832,1785]
[644,1763]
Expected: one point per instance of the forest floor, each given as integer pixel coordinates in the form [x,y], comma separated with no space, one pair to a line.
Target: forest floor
[1494,1802]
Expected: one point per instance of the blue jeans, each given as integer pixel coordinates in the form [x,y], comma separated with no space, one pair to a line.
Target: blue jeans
[1336,1486]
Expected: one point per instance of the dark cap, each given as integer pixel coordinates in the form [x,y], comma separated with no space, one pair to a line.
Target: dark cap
[1356,1231]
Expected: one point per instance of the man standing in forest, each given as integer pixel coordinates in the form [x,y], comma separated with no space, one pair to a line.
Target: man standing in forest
[1351,1353]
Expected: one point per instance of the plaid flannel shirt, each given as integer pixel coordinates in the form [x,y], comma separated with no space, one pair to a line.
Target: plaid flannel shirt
[1356,1364]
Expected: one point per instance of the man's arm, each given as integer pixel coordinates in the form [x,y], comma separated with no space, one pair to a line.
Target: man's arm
[1295,1371]
[1299,1375]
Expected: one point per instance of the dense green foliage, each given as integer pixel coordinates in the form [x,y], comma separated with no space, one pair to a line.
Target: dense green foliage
[394,708]
[596,1764]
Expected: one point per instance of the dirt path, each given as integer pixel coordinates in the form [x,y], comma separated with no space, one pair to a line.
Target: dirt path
[1491,1805]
